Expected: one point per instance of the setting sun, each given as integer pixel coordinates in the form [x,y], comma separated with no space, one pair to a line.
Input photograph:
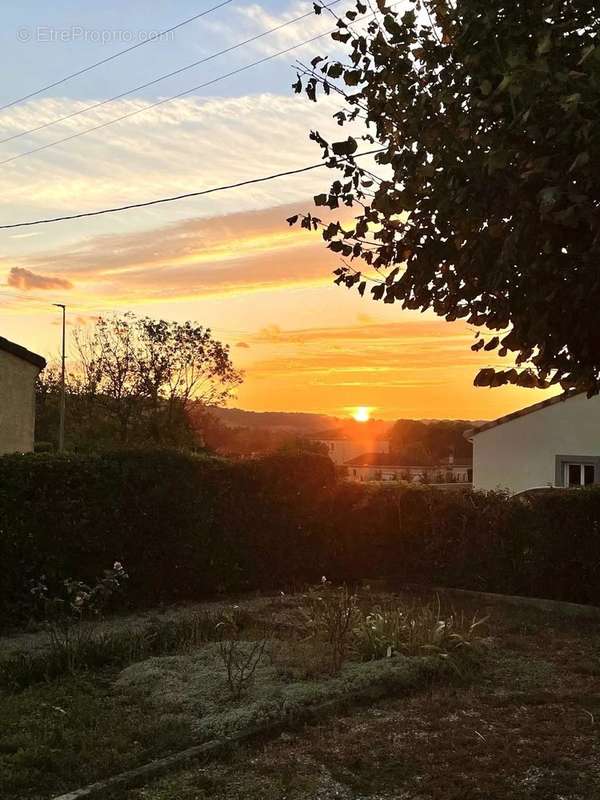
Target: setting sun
[362,414]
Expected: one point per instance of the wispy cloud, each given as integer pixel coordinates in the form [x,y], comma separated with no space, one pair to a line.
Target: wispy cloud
[219,140]
[239,252]
[253,19]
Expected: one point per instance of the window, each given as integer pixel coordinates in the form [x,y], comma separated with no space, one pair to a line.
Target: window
[579,474]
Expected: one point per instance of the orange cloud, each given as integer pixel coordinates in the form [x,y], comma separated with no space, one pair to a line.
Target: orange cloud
[233,253]
[25,280]
[412,331]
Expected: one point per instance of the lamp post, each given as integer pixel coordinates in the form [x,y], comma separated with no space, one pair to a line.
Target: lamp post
[61,423]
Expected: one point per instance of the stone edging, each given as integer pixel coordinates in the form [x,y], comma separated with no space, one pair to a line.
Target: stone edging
[140,775]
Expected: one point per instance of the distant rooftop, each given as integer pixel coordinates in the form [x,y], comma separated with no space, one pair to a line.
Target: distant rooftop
[391,460]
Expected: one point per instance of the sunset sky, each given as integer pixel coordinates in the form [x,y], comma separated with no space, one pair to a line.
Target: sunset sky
[227,260]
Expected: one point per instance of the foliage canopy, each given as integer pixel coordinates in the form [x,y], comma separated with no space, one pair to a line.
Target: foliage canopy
[135,380]
[487,210]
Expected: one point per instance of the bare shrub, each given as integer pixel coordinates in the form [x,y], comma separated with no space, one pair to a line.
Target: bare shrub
[240,658]
[330,618]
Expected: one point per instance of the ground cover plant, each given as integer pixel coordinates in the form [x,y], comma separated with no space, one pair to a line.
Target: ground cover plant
[64,730]
[525,727]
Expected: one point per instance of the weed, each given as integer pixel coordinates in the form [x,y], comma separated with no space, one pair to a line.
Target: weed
[240,660]
[87,646]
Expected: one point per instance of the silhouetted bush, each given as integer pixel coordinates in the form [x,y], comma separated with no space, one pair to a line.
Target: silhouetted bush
[547,545]
[186,527]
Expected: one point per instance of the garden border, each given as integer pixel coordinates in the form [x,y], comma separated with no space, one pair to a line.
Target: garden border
[159,767]
[541,604]
[155,769]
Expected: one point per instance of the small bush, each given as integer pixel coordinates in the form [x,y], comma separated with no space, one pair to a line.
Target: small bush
[387,630]
[330,616]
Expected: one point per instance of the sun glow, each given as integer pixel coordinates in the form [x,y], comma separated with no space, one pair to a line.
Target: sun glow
[362,414]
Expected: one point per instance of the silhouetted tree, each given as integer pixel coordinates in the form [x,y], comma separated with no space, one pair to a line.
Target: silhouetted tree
[487,203]
[134,380]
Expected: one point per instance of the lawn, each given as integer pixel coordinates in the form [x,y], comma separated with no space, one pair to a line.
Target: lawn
[519,720]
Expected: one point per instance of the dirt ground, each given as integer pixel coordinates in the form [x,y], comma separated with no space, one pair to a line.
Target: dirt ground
[528,727]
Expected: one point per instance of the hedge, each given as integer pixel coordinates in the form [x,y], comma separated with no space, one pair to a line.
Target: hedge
[183,526]
[186,527]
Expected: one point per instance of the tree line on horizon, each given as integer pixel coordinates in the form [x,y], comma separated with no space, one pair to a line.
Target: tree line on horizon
[137,382]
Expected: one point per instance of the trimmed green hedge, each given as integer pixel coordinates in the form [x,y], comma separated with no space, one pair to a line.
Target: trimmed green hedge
[186,527]
[547,545]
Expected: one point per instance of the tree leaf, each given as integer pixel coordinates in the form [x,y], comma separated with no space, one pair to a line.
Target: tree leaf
[345,148]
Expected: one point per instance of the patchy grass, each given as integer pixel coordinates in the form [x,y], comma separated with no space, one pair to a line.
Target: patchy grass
[60,735]
[66,724]
[90,646]
[526,728]
[193,689]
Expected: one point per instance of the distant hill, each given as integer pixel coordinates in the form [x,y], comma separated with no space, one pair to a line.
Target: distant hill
[298,422]
[301,423]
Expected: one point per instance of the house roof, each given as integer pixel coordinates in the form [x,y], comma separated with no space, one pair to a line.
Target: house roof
[561,398]
[22,352]
[342,435]
[330,436]
[390,460]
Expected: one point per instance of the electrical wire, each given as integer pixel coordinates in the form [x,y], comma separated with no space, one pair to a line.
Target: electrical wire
[113,57]
[173,97]
[161,78]
[175,198]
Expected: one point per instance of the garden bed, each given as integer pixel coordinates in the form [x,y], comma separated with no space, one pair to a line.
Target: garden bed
[132,694]
[525,727]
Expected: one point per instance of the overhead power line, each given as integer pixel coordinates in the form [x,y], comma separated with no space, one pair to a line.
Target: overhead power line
[188,195]
[113,57]
[161,102]
[177,96]
[164,77]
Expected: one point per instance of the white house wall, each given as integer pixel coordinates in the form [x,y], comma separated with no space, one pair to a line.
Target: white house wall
[521,453]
